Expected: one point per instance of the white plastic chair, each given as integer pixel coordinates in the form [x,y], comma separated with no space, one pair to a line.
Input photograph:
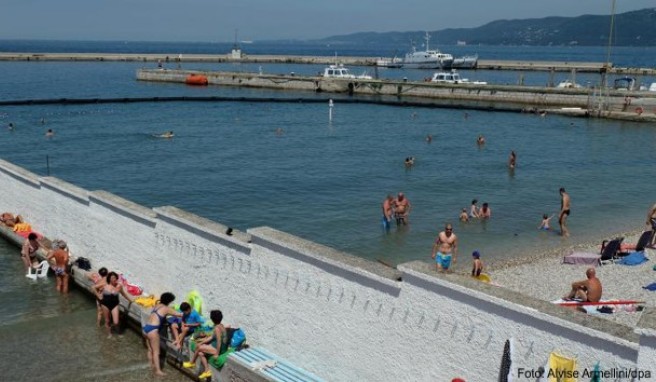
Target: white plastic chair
[40,271]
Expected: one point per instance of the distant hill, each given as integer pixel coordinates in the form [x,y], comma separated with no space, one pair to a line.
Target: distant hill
[635,28]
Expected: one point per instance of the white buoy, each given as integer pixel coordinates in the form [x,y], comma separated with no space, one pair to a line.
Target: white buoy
[330,110]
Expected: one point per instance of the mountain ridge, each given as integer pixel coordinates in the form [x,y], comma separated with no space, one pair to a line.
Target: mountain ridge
[634,28]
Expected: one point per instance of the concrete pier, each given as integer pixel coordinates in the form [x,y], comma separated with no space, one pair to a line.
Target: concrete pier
[558,66]
[635,105]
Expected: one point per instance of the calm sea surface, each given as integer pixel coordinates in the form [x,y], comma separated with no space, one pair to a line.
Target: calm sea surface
[320,180]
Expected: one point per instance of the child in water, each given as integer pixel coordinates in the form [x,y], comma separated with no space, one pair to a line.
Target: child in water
[477,266]
[463,216]
[545,222]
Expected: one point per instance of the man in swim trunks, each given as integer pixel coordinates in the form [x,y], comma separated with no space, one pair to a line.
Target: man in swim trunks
[564,212]
[402,209]
[445,249]
[60,255]
[28,251]
[588,290]
[387,210]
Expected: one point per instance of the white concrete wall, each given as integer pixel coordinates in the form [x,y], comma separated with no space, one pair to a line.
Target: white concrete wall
[309,304]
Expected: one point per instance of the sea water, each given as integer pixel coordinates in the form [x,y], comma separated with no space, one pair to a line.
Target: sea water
[321,180]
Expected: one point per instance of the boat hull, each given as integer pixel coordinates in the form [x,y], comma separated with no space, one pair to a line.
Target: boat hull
[428,65]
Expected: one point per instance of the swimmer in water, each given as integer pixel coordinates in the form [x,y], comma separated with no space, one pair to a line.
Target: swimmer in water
[545,222]
[481,140]
[168,134]
[50,133]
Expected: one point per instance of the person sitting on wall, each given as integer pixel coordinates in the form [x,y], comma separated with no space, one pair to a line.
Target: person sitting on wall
[7,219]
[185,325]
[213,345]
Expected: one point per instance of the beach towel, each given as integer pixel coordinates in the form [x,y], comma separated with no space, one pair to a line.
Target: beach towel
[633,258]
[651,287]
[582,258]
[561,368]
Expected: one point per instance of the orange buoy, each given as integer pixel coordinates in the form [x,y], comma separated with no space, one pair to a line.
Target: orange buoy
[196,79]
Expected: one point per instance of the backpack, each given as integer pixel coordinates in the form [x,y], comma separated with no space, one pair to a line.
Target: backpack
[83,263]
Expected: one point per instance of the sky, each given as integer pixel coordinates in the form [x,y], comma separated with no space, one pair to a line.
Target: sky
[217,20]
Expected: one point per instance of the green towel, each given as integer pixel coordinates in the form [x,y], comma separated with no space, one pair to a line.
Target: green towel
[217,360]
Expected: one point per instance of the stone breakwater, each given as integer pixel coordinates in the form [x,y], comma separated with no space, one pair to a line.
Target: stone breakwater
[339,317]
[578,102]
[558,66]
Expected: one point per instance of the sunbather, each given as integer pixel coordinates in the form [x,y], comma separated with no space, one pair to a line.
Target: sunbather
[211,346]
[588,290]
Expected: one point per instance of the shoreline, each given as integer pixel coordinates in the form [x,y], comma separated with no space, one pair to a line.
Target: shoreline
[592,245]
[543,276]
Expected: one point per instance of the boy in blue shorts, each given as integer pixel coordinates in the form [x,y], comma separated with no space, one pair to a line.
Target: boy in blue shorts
[185,326]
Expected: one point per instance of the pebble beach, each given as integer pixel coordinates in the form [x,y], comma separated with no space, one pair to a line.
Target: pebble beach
[545,277]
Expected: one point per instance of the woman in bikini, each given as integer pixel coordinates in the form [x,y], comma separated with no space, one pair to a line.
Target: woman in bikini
[212,346]
[150,329]
[109,301]
[28,252]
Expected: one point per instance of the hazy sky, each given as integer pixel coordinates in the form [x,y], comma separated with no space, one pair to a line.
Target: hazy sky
[216,20]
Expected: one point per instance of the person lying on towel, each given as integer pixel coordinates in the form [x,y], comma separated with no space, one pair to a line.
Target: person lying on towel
[588,290]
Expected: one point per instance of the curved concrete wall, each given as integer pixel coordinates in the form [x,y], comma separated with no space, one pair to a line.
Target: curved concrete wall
[337,316]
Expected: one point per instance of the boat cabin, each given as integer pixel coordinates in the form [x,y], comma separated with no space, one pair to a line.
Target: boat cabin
[337,72]
[625,83]
[447,77]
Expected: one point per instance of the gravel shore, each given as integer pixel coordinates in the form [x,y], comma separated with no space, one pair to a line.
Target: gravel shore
[544,277]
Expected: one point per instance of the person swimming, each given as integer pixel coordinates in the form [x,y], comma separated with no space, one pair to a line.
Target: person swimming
[168,134]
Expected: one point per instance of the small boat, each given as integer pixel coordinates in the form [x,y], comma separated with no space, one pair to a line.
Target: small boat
[427,59]
[453,77]
[196,79]
[465,62]
[567,84]
[339,71]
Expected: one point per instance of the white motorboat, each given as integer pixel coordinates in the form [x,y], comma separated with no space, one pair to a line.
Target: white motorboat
[567,84]
[427,59]
[453,77]
[339,71]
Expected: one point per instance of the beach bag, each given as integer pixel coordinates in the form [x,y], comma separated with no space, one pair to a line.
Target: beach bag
[236,337]
[83,263]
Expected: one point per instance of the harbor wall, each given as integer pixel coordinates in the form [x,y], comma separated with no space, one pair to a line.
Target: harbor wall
[340,317]
[478,95]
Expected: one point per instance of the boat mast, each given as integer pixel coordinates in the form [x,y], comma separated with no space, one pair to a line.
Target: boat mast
[427,39]
[606,68]
[610,34]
